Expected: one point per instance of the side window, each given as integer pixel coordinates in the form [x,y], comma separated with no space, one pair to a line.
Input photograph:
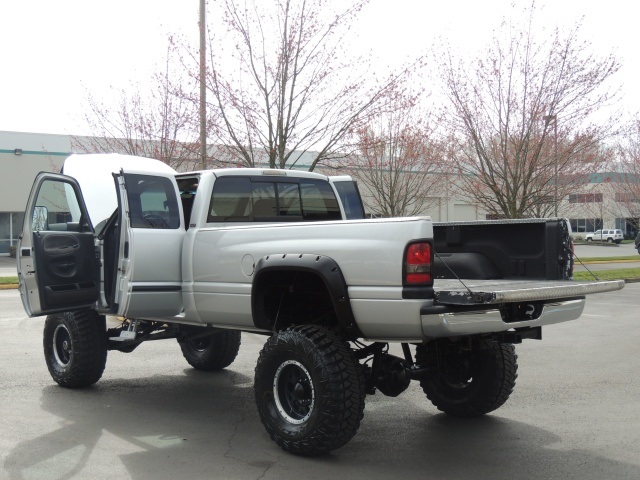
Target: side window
[152,202]
[57,208]
[350,197]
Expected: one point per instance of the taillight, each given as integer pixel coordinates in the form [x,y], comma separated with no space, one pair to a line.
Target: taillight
[418,263]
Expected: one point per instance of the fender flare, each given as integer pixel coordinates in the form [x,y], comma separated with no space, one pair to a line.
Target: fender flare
[324,267]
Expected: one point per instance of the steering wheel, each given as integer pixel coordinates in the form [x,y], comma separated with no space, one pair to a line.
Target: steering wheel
[155,221]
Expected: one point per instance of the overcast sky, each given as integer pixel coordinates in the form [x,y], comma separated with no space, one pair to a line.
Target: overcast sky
[53,52]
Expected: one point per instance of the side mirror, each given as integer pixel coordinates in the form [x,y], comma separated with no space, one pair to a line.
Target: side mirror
[39,221]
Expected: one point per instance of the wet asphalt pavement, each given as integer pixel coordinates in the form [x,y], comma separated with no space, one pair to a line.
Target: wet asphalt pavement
[574,414]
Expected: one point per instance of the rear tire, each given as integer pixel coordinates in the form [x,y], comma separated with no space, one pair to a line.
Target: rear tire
[309,390]
[609,240]
[75,347]
[469,382]
[213,352]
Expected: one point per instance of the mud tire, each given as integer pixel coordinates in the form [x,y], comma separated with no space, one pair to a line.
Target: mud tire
[75,347]
[471,383]
[309,390]
[212,353]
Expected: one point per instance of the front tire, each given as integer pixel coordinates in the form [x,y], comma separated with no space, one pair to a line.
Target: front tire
[469,381]
[309,390]
[75,347]
[213,352]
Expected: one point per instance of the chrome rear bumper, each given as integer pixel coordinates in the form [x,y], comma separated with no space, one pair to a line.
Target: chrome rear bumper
[450,324]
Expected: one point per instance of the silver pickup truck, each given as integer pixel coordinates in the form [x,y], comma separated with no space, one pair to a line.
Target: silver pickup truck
[202,256]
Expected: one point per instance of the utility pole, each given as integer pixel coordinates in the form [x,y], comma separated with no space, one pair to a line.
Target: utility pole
[203,90]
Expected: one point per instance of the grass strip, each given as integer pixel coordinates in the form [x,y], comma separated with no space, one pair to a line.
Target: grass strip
[620,274]
[629,258]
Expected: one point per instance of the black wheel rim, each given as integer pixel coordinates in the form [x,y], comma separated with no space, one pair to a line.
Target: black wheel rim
[200,345]
[62,345]
[457,375]
[294,392]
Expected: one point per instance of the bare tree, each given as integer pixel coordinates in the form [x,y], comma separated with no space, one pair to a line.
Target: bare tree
[625,184]
[398,161]
[159,122]
[280,83]
[520,115]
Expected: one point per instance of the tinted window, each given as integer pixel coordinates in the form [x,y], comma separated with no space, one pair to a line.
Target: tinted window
[242,199]
[351,202]
[263,201]
[188,188]
[231,200]
[152,202]
[318,201]
[290,202]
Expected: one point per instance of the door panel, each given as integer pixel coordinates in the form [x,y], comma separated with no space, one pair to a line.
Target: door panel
[58,267]
[65,275]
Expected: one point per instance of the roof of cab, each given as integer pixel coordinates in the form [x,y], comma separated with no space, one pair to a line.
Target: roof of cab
[244,171]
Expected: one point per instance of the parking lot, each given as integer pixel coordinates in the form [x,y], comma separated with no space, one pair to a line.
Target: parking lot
[575,414]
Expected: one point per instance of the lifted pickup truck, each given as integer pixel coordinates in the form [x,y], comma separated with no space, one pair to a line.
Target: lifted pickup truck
[203,256]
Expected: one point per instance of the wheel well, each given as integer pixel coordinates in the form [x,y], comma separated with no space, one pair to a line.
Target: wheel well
[291,297]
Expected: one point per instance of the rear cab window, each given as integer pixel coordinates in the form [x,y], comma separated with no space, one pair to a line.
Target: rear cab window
[260,199]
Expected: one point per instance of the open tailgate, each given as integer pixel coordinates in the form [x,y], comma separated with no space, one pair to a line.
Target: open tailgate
[486,292]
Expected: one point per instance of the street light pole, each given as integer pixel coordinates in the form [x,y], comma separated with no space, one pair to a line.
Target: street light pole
[203,90]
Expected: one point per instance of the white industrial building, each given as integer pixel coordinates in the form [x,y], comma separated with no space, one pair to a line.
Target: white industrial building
[22,156]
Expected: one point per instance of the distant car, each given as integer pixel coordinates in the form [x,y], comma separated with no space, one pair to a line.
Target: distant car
[611,236]
[638,242]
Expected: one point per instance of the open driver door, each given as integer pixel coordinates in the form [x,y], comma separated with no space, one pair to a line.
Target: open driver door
[58,264]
